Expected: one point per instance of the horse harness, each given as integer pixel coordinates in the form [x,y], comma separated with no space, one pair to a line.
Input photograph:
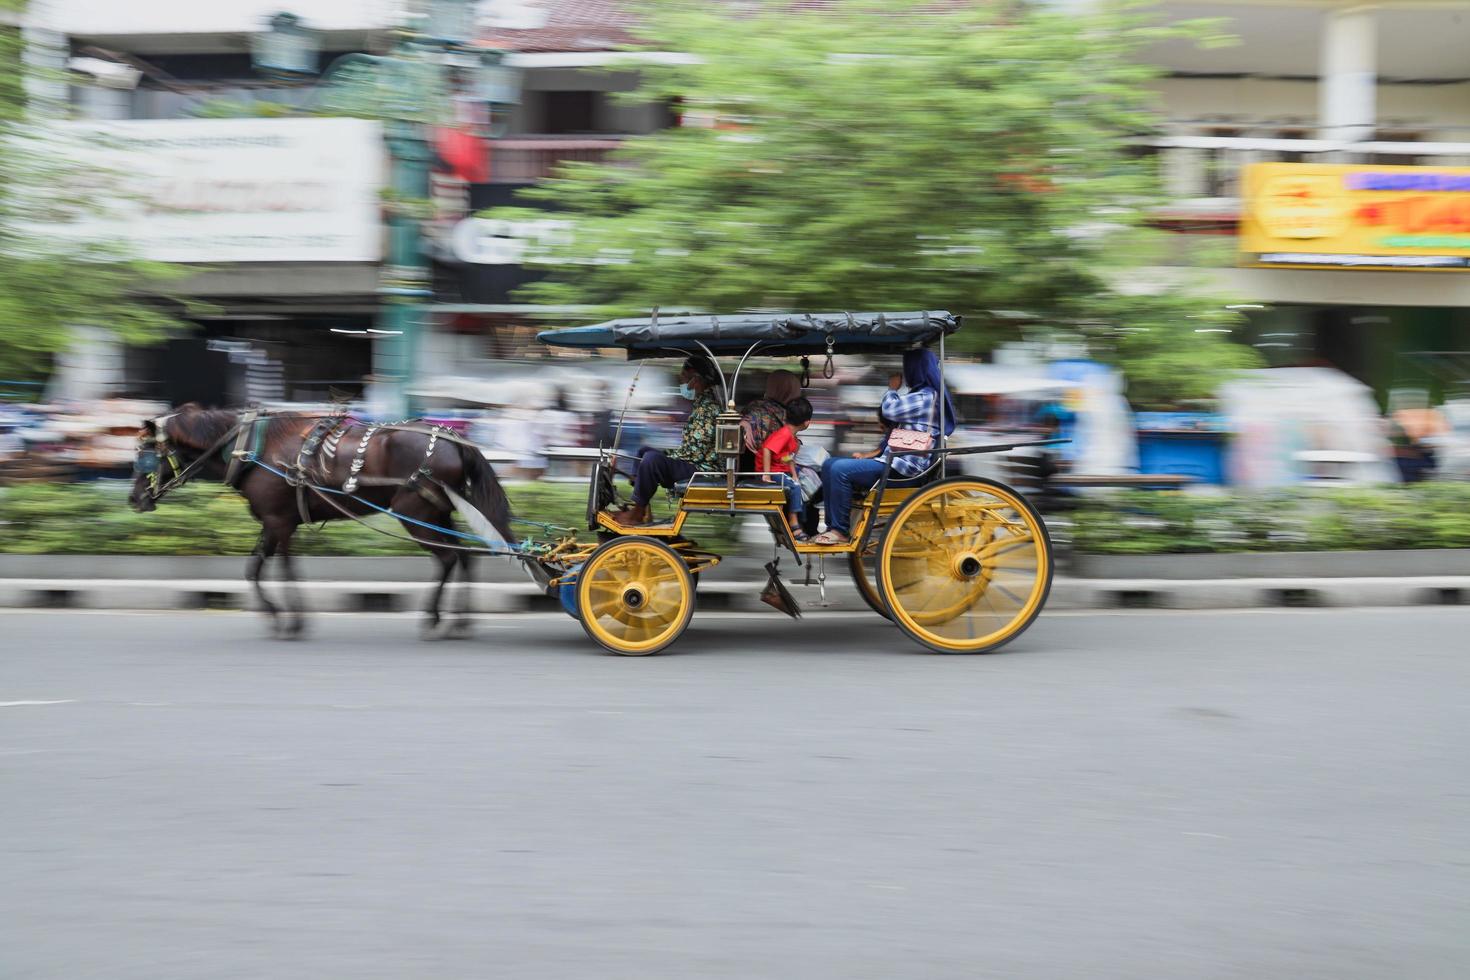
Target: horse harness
[313,463]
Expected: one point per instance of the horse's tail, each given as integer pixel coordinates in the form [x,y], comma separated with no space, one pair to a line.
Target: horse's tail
[484,493]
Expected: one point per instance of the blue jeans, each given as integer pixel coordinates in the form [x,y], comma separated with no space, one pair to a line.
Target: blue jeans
[793,488]
[793,492]
[841,477]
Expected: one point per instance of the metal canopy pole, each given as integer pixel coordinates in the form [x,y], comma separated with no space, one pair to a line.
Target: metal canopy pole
[943,392]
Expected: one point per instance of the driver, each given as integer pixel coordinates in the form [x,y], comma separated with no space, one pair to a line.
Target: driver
[698,380]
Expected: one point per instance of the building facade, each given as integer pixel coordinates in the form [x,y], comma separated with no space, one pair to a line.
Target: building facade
[1310,82]
[284,217]
[1330,82]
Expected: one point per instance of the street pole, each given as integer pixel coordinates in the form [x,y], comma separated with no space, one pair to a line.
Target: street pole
[406,279]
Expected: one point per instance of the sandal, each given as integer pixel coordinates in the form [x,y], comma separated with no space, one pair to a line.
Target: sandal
[831,537]
[797,534]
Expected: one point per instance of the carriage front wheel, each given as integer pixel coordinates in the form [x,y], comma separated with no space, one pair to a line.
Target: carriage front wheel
[635,596]
[965,566]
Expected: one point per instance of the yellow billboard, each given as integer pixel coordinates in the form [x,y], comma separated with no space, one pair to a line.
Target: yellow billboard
[1350,216]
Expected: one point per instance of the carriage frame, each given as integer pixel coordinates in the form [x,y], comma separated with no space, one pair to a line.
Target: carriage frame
[960,564]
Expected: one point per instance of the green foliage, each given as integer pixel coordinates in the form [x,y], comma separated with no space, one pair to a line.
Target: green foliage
[1426,515]
[94,519]
[51,283]
[876,155]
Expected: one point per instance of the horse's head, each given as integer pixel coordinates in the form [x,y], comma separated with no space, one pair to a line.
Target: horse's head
[167,448]
[147,464]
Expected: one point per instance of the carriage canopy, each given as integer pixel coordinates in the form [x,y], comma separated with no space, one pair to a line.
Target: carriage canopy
[777,333]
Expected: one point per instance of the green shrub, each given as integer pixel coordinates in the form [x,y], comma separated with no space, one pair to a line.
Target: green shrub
[1426,515]
[202,519]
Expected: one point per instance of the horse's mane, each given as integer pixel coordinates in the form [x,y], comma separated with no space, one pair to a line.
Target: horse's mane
[200,428]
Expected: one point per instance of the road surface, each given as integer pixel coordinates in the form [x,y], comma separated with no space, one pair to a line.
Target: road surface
[1140,795]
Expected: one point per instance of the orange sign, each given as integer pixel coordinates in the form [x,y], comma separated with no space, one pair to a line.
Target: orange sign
[1336,215]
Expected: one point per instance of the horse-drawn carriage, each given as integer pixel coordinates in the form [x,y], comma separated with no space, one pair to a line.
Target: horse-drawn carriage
[961,565]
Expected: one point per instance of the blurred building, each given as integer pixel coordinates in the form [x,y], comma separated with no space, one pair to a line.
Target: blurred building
[284,217]
[1313,82]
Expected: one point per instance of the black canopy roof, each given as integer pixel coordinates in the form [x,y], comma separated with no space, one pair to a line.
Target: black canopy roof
[778,333]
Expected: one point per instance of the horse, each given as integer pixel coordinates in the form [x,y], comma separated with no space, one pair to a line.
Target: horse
[286,465]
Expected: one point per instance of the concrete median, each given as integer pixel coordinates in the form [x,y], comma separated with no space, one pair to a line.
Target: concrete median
[400,585]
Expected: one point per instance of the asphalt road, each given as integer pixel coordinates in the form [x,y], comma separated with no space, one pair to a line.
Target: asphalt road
[1142,795]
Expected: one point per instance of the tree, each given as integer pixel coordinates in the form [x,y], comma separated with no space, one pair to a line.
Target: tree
[893,154]
[50,282]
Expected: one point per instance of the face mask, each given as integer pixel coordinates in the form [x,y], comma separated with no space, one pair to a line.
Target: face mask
[686,392]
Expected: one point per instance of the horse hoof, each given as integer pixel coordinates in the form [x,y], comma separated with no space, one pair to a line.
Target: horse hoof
[460,629]
[429,629]
[294,630]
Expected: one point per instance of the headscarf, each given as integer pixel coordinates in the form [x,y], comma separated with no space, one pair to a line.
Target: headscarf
[782,386]
[921,370]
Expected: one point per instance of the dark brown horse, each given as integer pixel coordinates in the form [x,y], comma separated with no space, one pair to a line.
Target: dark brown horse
[414,472]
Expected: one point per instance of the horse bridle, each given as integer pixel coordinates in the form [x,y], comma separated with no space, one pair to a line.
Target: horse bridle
[152,452]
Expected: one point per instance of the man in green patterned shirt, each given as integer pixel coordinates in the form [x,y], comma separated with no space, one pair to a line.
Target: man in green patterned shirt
[699,382]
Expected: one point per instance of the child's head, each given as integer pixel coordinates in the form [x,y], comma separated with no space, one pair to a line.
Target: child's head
[798,413]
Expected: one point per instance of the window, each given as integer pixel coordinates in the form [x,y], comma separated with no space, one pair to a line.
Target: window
[571,112]
[1219,166]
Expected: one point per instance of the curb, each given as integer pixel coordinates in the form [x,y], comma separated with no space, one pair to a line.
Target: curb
[742,596]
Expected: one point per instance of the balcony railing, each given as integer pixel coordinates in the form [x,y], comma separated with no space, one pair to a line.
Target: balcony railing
[527,159]
[1204,161]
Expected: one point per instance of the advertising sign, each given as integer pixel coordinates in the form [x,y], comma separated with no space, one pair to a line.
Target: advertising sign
[1348,216]
[239,190]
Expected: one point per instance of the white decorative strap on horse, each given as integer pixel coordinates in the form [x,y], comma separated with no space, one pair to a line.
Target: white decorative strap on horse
[429,453]
[359,459]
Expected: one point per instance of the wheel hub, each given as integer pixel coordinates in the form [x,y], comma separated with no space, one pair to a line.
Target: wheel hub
[635,597]
[966,565]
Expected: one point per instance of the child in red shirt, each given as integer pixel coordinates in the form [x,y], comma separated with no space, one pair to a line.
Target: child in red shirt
[775,456]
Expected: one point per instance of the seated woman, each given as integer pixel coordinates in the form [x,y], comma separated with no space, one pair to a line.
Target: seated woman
[918,408]
[765,415]
[698,382]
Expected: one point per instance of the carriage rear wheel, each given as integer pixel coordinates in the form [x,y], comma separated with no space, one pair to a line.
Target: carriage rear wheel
[635,596]
[965,566]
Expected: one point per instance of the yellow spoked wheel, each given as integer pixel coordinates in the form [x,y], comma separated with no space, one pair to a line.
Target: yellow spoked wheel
[965,566]
[635,596]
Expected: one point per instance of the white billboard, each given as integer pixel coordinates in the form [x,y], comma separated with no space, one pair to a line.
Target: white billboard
[172,17]
[241,190]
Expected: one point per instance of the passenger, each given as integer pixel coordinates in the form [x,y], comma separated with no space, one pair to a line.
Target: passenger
[918,409]
[767,414]
[698,382]
[776,460]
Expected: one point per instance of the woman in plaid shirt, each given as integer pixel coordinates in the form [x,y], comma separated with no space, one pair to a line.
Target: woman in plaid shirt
[916,408]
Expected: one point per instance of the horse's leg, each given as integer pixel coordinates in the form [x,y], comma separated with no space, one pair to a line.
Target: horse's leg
[461,624]
[296,622]
[411,504]
[264,548]
[447,560]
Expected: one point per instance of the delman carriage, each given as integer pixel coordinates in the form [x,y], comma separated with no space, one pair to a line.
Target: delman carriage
[959,564]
